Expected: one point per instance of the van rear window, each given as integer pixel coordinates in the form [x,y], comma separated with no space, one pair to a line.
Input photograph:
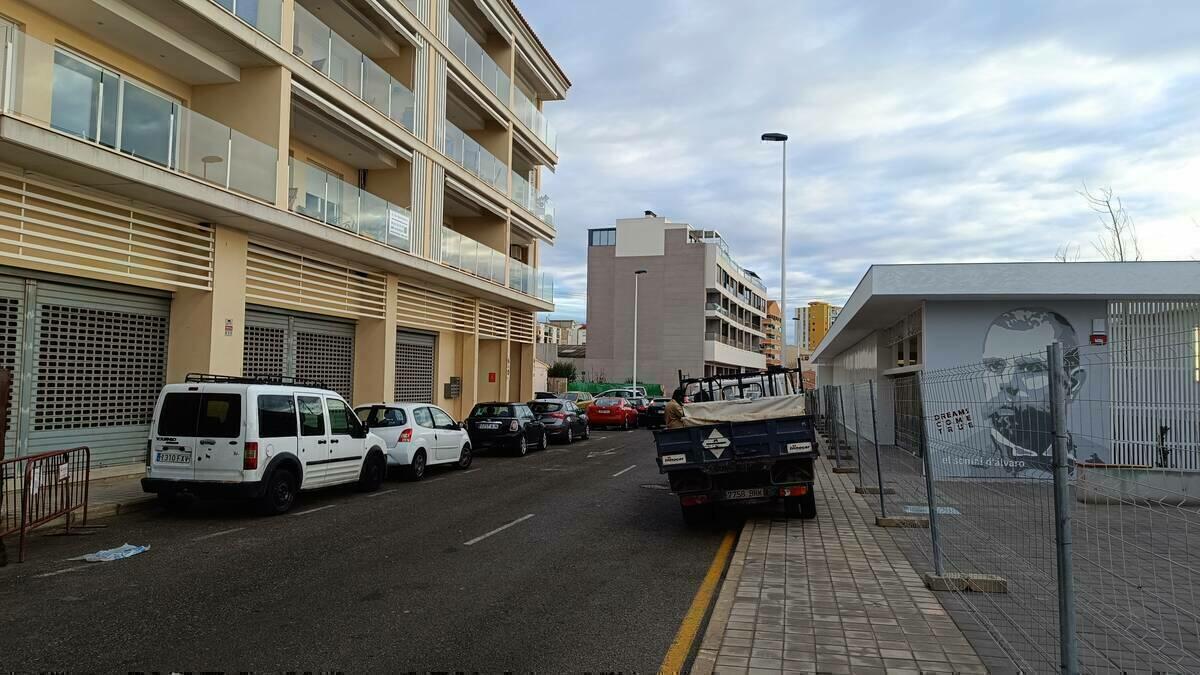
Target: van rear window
[201,415]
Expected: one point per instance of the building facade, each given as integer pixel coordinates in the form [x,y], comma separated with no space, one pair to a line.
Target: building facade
[772,342]
[346,192]
[1130,333]
[572,332]
[813,322]
[699,311]
[548,333]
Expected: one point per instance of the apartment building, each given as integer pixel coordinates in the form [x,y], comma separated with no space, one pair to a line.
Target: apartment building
[698,311]
[813,322]
[548,333]
[772,343]
[573,332]
[344,191]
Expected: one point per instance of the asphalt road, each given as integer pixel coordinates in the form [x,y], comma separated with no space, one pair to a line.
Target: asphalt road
[592,571]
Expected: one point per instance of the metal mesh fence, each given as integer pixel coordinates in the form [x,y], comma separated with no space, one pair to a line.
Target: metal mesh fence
[1084,564]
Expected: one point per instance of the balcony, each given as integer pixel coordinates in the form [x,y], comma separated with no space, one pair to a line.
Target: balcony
[478,60]
[473,157]
[335,58]
[320,195]
[466,254]
[527,280]
[264,16]
[533,200]
[82,99]
[533,119]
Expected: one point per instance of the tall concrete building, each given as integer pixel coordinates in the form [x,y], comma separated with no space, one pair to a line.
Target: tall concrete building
[337,191]
[698,310]
[772,342]
[813,323]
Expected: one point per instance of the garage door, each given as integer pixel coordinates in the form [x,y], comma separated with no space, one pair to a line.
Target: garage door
[94,370]
[291,345]
[414,367]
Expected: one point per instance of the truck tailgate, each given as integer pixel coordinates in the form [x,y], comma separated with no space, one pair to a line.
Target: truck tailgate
[735,441]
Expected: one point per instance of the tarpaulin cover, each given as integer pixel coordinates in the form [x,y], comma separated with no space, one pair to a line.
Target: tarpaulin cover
[746,410]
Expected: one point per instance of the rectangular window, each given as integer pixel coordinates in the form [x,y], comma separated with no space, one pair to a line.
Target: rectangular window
[220,416]
[178,415]
[339,420]
[312,416]
[602,237]
[276,416]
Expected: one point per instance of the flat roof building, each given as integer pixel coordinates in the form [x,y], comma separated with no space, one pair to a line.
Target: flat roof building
[699,311]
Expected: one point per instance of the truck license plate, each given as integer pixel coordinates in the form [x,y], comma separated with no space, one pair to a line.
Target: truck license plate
[173,458]
[799,447]
[745,494]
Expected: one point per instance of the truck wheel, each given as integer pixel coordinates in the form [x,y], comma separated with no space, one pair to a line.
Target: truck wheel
[801,507]
[698,516]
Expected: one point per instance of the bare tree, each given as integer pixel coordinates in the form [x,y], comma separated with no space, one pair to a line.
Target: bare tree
[1068,252]
[1118,240]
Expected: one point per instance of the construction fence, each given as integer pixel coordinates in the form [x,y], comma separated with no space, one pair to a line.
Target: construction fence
[1053,495]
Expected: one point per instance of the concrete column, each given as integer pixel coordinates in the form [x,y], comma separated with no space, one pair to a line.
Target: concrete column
[208,328]
[469,355]
[505,376]
[375,352]
[523,357]
[287,21]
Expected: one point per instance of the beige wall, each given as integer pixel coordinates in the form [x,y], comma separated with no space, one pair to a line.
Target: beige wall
[487,230]
[491,360]
[199,342]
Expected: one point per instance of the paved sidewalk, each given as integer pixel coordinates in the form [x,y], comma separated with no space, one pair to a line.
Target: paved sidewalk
[831,595]
[113,496]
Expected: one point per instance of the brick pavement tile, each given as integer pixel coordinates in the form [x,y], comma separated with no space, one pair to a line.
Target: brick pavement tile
[734,650]
[736,641]
[761,662]
[735,661]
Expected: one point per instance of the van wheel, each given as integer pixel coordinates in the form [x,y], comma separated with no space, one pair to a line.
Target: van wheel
[416,470]
[464,457]
[280,493]
[372,474]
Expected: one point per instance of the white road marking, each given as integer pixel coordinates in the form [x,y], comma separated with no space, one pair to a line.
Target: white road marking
[470,470]
[381,493]
[628,468]
[222,533]
[319,508]
[553,468]
[502,528]
[601,453]
[62,571]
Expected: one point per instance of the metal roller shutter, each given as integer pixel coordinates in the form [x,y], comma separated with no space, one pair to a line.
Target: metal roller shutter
[99,359]
[289,345]
[414,367]
[12,338]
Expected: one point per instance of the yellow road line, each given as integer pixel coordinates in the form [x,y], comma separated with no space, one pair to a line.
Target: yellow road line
[682,645]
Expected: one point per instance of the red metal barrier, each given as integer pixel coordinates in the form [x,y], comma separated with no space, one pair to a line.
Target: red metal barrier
[37,489]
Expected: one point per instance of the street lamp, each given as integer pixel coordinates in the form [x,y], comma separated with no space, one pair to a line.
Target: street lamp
[782,138]
[636,276]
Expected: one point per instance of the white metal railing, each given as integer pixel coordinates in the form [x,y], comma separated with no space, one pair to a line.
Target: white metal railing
[81,98]
[474,157]
[478,60]
[536,202]
[320,195]
[335,58]
[527,111]
[265,16]
[464,253]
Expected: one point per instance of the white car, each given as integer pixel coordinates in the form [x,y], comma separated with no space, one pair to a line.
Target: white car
[417,435]
[623,392]
[223,436]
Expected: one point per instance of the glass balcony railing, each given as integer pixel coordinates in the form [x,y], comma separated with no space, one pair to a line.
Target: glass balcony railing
[320,195]
[480,63]
[534,201]
[335,58]
[83,99]
[527,280]
[533,119]
[464,253]
[265,16]
[475,158]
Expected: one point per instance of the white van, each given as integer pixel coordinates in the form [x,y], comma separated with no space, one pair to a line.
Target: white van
[244,438]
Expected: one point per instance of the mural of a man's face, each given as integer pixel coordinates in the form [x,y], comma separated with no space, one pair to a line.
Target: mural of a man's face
[1018,379]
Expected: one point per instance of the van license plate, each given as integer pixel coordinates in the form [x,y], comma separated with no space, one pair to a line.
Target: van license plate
[745,494]
[173,458]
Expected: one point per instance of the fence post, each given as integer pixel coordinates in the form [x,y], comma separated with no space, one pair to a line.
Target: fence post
[927,462]
[1067,647]
[857,431]
[837,447]
[878,464]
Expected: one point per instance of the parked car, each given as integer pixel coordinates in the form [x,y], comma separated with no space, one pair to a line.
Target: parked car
[539,395]
[512,426]
[623,392]
[220,436]
[640,404]
[564,421]
[582,399]
[656,413]
[418,435]
[613,412]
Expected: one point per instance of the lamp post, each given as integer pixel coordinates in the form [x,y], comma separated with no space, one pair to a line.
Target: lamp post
[636,276]
[782,138]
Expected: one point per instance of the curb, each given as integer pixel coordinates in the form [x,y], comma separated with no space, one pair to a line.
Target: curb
[706,655]
[107,509]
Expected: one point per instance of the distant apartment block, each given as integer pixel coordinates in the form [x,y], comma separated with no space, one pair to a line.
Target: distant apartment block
[772,344]
[548,333]
[813,323]
[699,311]
[571,331]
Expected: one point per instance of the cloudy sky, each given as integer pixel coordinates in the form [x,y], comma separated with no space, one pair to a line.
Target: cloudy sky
[927,131]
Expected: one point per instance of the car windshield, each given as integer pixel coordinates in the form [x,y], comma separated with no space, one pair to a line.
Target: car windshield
[571,396]
[542,407]
[493,410]
[608,402]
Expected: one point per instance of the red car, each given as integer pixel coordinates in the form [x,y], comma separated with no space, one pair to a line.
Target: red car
[612,412]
